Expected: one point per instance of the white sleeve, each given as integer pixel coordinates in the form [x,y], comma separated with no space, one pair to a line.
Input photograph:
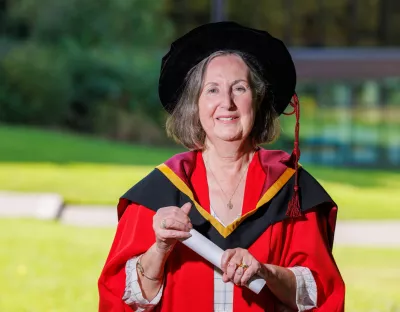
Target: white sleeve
[133,295]
[306,293]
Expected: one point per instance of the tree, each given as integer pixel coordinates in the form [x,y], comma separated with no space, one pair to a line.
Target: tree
[106,52]
[94,22]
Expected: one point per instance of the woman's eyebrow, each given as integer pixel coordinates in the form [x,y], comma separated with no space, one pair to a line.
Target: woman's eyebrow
[233,83]
[211,83]
[238,80]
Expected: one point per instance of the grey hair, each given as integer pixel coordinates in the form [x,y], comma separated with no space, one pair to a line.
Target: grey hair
[184,126]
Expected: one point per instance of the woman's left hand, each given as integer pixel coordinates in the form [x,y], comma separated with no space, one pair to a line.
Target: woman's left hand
[238,266]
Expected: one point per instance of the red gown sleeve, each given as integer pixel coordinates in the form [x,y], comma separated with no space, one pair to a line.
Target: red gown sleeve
[308,243]
[134,236]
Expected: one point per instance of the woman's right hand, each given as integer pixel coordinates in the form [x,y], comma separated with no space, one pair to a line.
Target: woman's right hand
[170,224]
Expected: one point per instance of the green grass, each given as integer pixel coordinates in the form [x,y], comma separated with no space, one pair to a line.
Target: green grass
[22,144]
[50,267]
[77,183]
[372,278]
[91,171]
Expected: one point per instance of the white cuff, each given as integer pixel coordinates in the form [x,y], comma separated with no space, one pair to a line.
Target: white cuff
[133,295]
[306,293]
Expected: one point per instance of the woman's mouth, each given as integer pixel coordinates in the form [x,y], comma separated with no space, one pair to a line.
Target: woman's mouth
[227,118]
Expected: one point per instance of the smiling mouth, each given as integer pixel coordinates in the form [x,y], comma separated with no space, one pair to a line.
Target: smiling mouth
[227,118]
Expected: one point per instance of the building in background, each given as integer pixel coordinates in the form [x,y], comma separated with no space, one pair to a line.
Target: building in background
[350,105]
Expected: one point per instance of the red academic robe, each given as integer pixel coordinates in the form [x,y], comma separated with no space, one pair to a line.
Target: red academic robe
[264,229]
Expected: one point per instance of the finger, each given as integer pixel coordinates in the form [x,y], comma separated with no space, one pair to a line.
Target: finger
[174,224]
[238,275]
[253,268]
[186,208]
[247,275]
[237,258]
[230,270]
[226,256]
[225,278]
[180,215]
[173,213]
[168,234]
[233,264]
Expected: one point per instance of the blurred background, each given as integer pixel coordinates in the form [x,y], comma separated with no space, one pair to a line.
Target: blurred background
[80,118]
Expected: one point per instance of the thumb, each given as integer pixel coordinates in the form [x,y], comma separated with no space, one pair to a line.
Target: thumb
[186,208]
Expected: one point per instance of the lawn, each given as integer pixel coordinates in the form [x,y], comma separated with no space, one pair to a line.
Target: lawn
[30,145]
[86,170]
[50,267]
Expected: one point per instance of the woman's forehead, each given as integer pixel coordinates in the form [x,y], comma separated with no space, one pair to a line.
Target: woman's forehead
[226,66]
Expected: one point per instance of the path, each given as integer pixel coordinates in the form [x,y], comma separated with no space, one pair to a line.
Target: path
[359,233]
[50,207]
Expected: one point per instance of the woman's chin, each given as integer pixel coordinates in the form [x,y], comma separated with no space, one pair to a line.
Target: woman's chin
[230,137]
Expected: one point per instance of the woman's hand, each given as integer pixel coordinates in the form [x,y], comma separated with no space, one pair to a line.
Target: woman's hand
[170,224]
[238,266]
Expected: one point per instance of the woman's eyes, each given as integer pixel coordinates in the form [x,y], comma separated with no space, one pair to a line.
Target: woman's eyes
[213,90]
[235,89]
[241,88]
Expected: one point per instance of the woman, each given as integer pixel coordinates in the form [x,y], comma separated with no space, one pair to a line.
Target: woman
[224,86]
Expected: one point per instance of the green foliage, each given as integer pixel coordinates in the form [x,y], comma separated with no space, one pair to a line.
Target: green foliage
[110,86]
[82,60]
[35,88]
[94,22]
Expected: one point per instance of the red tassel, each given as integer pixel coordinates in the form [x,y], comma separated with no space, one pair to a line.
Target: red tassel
[294,210]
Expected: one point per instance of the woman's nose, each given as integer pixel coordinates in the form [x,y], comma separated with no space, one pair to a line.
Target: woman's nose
[227,101]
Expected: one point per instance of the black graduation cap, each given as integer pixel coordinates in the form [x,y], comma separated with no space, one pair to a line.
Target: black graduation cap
[277,69]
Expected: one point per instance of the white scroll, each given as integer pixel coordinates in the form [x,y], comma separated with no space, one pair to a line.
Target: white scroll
[212,253]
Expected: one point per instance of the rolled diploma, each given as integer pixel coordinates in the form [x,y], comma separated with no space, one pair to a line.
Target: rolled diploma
[211,252]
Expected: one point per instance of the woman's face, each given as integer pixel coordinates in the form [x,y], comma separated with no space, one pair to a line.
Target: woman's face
[226,102]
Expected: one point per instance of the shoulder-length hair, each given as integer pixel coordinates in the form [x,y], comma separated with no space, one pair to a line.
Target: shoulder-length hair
[184,126]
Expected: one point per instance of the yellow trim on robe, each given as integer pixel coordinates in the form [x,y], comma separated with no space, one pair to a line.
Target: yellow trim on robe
[226,231]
